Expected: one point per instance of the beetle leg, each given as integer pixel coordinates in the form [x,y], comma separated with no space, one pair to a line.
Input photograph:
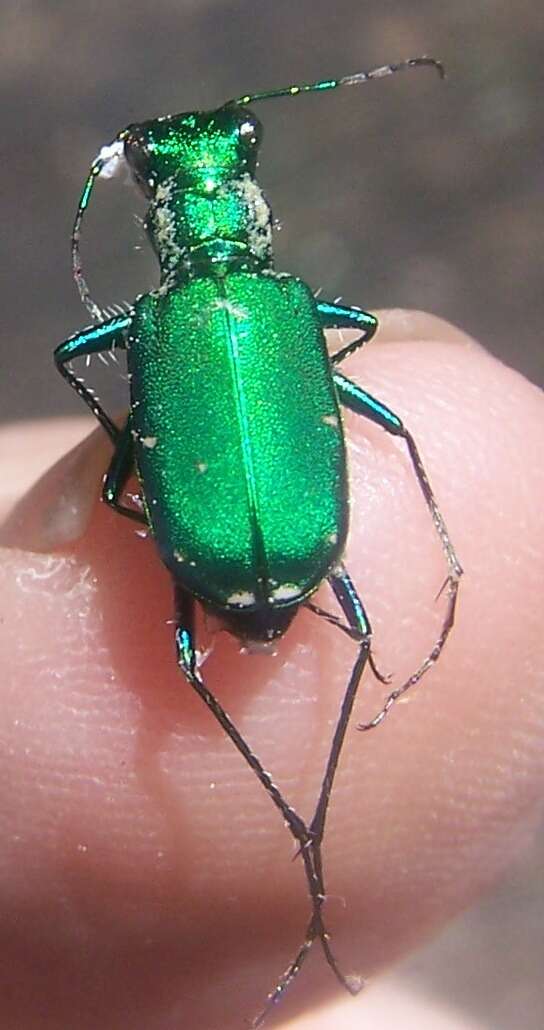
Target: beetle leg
[116,478]
[358,622]
[311,854]
[93,340]
[363,403]
[186,658]
[356,616]
[350,631]
[336,316]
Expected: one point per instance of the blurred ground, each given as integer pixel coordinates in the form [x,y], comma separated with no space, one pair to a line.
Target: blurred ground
[407,192]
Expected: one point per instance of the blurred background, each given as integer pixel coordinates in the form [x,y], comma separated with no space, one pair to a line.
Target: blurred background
[407,192]
[404,192]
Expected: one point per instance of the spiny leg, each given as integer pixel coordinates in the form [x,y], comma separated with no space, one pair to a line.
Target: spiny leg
[119,472]
[186,658]
[336,316]
[362,403]
[353,634]
[352,607]
[357,618]
[313,865]
[94,340]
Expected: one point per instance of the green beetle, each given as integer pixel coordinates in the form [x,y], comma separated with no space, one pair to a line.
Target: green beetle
[234,428]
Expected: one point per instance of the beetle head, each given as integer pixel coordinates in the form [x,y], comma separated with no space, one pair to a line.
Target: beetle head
[199,149]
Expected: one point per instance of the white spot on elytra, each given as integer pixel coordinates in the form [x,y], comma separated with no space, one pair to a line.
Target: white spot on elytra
[286,592]
[146,441]
[242,598]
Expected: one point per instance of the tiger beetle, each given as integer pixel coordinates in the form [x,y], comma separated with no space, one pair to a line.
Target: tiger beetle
[234,428]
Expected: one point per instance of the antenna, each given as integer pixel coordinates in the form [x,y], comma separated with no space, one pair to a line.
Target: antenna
[346,80]
[109,155]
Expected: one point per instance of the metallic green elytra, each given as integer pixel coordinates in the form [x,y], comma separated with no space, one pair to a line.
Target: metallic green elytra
[234,427]
[242,518]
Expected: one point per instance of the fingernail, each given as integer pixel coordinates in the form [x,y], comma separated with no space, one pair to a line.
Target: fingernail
[57,508]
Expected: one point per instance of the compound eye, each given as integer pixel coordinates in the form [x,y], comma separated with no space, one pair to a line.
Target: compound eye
[249,131]
[140,165]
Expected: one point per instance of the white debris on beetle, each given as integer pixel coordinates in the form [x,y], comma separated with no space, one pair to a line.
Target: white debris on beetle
[179,556]
[259,216]
[164,225]
[111,157]
[146,441]
[201,466]
[330,420]
[223,304]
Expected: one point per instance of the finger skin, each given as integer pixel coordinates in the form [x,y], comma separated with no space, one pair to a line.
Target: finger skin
[147,881]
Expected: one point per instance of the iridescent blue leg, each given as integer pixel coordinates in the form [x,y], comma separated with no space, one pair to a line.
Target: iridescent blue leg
[362,403]
[186,659]
[93,340]
[119,472]
[336,316]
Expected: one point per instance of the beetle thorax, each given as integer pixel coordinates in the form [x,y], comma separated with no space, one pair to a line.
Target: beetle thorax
[210,229]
